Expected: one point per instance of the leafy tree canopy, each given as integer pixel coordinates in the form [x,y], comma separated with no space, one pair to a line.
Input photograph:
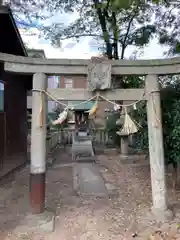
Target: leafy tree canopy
[167,17]
[116,23]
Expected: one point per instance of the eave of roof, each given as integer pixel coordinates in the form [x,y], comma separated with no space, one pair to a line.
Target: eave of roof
[7,10]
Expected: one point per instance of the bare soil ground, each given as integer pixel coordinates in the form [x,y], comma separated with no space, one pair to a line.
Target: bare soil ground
[122,216]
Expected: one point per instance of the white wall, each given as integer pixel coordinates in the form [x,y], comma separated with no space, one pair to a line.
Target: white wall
[53,82]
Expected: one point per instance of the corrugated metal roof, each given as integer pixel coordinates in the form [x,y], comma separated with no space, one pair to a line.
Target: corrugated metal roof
[83,106]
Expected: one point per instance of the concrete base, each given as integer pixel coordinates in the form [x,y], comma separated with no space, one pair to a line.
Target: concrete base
[124,158]
[162,215]
[90,159]
[134,159]
[39,222]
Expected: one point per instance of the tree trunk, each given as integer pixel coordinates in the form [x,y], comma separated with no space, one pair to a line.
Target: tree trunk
[115,34]
[102,20]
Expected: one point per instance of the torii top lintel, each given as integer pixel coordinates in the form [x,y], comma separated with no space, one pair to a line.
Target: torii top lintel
[29,65]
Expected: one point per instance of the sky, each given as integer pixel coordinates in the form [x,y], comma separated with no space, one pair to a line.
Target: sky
[86,48]
[83,49]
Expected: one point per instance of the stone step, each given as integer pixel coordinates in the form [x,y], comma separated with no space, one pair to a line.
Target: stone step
[86,159]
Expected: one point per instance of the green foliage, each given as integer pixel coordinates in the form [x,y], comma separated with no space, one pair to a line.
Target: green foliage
[132,82]
[168,25]
[141,137]
[171,121]
[170,99]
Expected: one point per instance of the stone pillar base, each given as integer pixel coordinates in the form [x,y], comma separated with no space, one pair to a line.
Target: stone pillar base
[37,193]
[43,222]
[162,215]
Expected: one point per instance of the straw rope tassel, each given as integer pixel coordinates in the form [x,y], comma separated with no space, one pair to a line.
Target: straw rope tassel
[94,108]
[129,126]
[41,111]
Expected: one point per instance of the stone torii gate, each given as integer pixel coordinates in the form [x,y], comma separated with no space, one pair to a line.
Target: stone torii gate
[40,68]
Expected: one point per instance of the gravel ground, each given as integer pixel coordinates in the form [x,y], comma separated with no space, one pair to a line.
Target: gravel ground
[123,216]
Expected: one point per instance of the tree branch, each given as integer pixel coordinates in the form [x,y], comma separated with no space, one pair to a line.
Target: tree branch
[81,35]
[107,6]
[127,32]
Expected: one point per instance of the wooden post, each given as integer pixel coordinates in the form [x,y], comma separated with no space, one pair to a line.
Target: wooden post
[38,145]
[156,149]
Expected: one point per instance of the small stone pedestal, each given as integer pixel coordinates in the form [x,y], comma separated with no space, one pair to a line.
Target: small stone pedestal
[43,222]
[124,145]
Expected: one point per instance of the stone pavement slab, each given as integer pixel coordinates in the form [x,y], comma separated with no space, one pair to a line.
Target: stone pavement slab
[88,180]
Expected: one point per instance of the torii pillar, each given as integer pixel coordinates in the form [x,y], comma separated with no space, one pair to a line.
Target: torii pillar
[156,149]
[38,145]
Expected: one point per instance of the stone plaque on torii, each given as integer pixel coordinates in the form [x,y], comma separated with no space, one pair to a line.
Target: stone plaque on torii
[99,74]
